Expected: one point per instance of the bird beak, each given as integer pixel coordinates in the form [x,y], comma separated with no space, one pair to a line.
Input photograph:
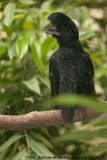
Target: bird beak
[52,31]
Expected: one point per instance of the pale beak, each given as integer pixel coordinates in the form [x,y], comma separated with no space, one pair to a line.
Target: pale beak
[52,31]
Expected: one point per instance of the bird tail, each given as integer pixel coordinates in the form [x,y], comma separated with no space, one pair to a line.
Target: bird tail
[67,113]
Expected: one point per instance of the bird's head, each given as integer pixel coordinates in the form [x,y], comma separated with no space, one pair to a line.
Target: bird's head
[62,27]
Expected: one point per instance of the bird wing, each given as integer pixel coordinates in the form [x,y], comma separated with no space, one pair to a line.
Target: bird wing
[68,84]
[85,72]
[76,77]
[54,75]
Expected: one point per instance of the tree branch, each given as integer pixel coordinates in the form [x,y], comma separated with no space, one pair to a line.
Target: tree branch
[40,119]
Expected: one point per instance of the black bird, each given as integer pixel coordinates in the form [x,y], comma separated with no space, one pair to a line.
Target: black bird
[70,68]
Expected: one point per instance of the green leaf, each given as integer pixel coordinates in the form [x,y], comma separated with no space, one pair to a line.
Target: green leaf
[3,153]
[99,149]
[101,123]
[10,141]
[47,45]
[28,2]
[39,148]
[18,155]
[30,99]
[46,4]
[35,48]
[73,136]
[44,80]
[12,49]
[9,13]
[22,44]
[33,85]
[73,4]
[26,155]
[86,35]
[41,138]
[85,135]
[88,101]
[3,47]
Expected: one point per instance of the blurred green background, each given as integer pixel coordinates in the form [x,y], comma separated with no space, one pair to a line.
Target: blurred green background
[24,84]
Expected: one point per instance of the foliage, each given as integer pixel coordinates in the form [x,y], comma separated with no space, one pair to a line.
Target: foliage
[24,85]
[84,101]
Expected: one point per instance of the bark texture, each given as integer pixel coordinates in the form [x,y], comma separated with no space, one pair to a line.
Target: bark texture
[40,119]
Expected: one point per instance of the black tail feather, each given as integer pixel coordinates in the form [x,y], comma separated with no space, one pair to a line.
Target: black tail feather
[67,113]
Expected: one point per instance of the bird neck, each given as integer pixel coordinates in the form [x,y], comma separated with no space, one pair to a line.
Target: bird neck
[73,44]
